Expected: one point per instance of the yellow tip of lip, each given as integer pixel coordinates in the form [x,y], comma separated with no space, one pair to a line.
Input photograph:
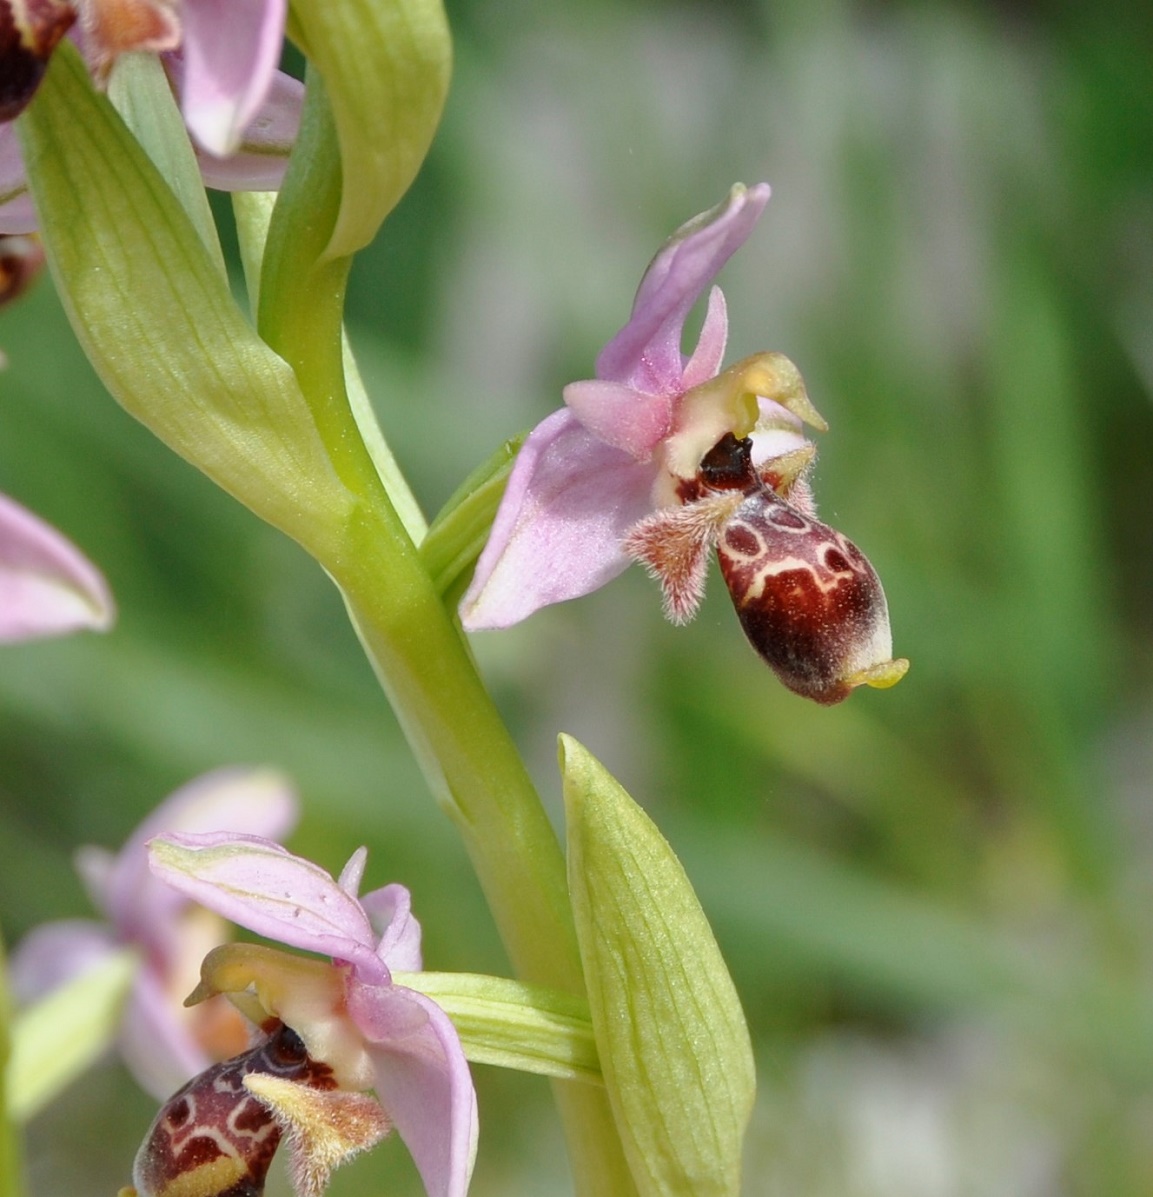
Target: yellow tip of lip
[882,676]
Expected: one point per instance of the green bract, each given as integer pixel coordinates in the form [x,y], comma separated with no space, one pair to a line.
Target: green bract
[156,318]
[669,1029]
[387,67]
[140,92]
[514,1025]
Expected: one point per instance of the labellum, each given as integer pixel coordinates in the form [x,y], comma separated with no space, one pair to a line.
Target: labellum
[29,31]
[215,1137]
[807,598]
[21,261]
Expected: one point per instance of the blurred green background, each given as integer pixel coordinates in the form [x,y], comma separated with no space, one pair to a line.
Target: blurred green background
[935,900]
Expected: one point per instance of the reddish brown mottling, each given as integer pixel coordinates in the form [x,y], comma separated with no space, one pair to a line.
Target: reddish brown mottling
[804,607]
[739,539]
[21,261]
[29,31]
[214,1138]
[807,598]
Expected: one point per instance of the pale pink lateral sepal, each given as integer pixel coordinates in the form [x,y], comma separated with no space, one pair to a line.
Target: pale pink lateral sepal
[570,500]
[47,586]
[231,49]
[261,157]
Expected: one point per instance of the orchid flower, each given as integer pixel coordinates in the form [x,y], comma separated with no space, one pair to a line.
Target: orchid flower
[162,1043]
[623,441]
[348,1013]
[47,586]
[623,472]
[242,112]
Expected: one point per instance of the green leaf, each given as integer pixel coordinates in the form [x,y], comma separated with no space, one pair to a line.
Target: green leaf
[156,318]
[387,65]
[140,92]
[672,1038]
[459,532]
[514,1025]
[59,1037]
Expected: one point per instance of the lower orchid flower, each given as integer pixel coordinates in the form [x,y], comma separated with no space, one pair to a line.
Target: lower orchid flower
[620,473]
[350,1017]
[242,113]
[162,1043]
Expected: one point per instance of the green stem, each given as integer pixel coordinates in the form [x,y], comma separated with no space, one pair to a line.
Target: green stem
[414,644]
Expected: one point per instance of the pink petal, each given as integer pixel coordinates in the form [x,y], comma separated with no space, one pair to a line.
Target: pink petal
[231,49]
[422,1080]
[353,873]
[390,911]
[17,214]
[260,885]
[47,586]
[620,416]
[710,351]
[260,160]
[249,801]
[54,953]
[557,535]
[646,353]
[156,1042]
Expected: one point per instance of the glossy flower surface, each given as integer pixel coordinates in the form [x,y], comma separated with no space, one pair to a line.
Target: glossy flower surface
[350,1015]
[162,1043]
[627,440]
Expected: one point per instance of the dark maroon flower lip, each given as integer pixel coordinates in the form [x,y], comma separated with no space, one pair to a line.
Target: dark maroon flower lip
[21,263]
[214,1134]
[29,32]
[807,598]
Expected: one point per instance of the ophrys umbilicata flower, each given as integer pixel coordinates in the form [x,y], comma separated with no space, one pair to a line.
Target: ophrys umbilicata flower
[372,1033]
[616,475]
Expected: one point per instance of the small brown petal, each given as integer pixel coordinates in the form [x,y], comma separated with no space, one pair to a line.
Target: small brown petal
[323,1129]
[113,27]
[673,545]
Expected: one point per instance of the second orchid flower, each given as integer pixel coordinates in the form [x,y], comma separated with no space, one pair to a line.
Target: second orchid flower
[662,457]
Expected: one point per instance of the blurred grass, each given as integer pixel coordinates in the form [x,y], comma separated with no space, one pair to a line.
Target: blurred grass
[933,899]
